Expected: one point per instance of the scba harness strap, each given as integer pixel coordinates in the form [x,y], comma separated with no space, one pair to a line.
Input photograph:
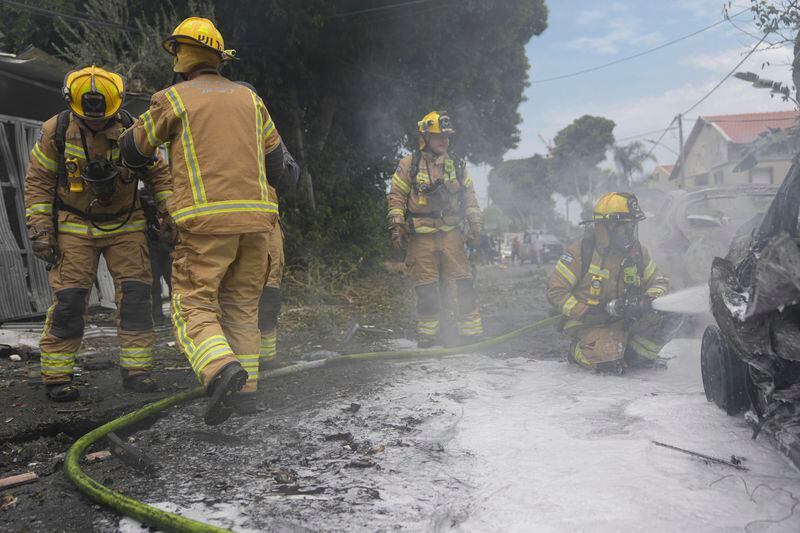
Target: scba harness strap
[60,138]
[587,251]
[60,141]
[457,163]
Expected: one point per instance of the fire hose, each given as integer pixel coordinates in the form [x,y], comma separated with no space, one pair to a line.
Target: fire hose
[167,521]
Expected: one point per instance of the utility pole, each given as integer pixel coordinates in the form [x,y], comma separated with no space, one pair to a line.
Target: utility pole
[681,153]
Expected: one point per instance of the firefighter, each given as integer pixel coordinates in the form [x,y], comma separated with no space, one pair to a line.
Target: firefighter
[603,286]
[269,306]
[432,208]
[223,149]
[81,203]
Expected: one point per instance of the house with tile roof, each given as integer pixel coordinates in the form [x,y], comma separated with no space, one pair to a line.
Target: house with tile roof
[659,179]
[718,143]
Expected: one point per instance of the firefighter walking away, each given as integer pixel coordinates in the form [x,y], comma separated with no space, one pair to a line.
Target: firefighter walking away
[603,286]
[432,209]
[224,147]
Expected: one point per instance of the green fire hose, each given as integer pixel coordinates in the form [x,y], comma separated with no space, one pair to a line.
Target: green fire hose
[166,521]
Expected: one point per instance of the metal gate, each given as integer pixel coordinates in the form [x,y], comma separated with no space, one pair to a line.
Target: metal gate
[24,291]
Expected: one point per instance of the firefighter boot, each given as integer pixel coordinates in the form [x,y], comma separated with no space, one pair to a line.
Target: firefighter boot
[138,382]
[230,380]
[62,392]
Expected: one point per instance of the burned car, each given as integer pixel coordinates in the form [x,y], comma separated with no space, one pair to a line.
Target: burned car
[750,360]
[696,226]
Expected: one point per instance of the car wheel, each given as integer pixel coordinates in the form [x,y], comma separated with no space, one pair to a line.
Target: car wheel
[724,374]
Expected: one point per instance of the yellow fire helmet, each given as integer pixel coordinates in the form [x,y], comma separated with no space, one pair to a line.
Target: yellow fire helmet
[435,122]
[93,93]
[197,31]
[617,207]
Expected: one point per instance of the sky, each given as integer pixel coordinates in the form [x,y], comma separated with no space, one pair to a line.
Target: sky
[644,94]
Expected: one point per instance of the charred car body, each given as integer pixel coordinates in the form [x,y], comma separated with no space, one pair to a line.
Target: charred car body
[751,359]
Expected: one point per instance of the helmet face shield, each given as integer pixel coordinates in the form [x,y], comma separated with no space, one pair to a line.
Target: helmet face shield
[93,105]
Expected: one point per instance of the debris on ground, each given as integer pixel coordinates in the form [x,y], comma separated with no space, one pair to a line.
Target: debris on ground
[284,475]
[17,480]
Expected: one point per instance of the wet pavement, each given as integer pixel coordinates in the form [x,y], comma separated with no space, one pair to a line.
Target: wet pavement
[476,443]
[513,440]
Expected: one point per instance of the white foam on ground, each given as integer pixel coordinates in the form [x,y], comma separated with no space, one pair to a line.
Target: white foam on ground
[561,449]
[223,515]
[526,445]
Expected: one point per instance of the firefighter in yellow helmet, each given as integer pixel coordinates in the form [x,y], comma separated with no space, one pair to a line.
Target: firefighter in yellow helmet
[603,285]
[432,208]
[81,203]
[224,151]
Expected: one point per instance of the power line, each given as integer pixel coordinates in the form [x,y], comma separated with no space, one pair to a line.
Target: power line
[55,14]
[380,8]
[728,75]
[743,120]
[660,138]
[640,54]
[638,135]
[709,93]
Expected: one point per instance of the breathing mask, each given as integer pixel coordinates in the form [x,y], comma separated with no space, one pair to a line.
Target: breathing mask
[101,177]
[622,234]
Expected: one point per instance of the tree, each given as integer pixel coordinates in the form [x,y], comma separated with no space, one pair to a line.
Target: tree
[137,55]
[346,86]
[523,190]
[629,160]
[577,150]
[347,90]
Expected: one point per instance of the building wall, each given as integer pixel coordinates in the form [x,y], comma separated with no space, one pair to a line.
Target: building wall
[712,158]
[710,150]
[659,180]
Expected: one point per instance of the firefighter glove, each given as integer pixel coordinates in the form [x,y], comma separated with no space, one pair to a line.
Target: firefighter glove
[475,231]
[399,231]
[45,245]
[168,230]
[628,308]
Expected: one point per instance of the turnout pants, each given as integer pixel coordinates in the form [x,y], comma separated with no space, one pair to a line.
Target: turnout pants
[638,343]
[71,280]
[432,256]
[216,284]
[269,306]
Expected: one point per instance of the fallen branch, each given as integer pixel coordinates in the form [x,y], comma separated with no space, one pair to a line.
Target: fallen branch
[19,479]
[717,460]
[70,411]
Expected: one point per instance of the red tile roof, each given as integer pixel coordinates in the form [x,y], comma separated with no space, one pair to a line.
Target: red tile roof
[744,128]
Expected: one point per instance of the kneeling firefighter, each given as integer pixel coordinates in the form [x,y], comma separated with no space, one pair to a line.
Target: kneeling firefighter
[224,150]
[603,286]
[432,205]
[81,203]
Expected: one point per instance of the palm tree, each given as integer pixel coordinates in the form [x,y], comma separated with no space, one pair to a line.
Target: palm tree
[630,159]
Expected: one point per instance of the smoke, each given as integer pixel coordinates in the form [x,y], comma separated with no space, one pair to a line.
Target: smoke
[686,230]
